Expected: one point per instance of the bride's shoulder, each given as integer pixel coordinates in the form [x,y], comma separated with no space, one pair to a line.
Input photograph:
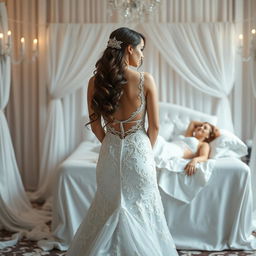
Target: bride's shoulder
[91,81]
[148,78]
[149,81]
[148,75]
[90,88]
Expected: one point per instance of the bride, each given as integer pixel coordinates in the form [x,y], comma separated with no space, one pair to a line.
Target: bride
[126,216]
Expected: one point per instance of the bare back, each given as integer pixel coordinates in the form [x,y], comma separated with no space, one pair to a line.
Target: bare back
[130,99]
[131,112]
[139,97]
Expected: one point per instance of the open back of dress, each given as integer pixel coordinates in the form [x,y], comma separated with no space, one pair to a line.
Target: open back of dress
[137,123]
[126,217]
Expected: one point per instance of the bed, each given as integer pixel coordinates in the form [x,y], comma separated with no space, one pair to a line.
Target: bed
[218,217]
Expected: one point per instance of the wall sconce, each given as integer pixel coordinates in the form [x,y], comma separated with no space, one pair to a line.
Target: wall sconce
[252,46]
[6,48]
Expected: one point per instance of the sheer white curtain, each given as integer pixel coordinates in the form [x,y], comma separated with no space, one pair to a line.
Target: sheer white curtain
[12,194]
[28,97]
[26,111]
[70,68]
[16,212]
[252,163]
[204,55]
[73,52]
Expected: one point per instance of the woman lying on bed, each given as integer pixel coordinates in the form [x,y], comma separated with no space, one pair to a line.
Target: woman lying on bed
[194,145]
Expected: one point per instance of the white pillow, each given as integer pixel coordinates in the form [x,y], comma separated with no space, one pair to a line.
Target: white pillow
[180,128]
[227,145]
[166,130]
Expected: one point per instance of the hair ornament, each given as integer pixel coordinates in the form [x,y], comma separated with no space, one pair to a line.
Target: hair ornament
[113,43]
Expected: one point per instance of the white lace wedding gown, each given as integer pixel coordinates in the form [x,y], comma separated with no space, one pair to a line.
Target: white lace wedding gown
[126,217]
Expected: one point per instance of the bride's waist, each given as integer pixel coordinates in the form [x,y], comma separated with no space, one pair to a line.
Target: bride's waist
[126,134]
[123,131]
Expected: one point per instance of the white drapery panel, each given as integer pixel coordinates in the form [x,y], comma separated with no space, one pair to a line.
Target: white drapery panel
[73,52]
[16,212]
[26,111]
[12,193]
[252,163]
[28,98]
[204,55]
[26,105]
[70,68]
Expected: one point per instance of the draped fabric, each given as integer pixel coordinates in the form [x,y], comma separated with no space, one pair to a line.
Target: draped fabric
[252,163]
[251,108]
[27,93]
[204,55]
[26,111]
[16,212]
[73,52]
[69,71]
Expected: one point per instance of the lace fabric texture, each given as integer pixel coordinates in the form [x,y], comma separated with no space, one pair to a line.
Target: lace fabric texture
[126,217]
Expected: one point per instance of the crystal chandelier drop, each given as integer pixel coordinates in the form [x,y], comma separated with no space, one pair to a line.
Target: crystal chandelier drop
[133,11]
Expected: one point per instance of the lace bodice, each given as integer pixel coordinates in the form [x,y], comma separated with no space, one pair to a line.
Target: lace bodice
[139,123]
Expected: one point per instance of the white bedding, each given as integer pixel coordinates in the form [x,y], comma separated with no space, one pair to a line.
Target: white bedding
[218,217]
[171,176]
[211,211]
[73,195]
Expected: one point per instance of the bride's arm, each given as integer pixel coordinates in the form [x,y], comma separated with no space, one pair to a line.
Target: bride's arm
[203,155]
[152,108]
[96,126]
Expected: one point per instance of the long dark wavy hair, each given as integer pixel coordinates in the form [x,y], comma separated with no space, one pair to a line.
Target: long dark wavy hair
[109,80]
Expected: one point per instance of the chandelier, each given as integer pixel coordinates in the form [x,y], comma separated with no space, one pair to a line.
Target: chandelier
[133,11]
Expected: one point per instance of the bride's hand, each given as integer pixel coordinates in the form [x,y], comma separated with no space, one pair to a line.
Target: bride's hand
[190,168]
